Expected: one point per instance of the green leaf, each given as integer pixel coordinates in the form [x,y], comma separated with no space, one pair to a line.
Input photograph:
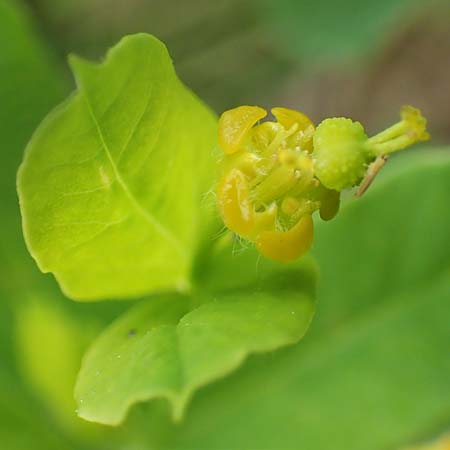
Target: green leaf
[372,373]
[108,199]
[168,346]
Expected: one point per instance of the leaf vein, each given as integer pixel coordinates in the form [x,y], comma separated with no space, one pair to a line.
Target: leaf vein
[144,213]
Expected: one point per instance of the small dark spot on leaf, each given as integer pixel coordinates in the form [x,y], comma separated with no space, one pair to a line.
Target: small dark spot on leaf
[132,332]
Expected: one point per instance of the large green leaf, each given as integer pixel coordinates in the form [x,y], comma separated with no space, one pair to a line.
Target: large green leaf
[169,346]
[109,202]
[372,373]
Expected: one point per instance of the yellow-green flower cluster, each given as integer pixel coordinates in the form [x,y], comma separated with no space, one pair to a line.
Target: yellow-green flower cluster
[276,174]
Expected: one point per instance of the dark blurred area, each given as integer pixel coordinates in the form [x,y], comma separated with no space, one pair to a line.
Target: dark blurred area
[356,58]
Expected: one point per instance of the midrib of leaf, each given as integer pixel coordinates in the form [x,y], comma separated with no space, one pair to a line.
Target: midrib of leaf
[141,115]
[144,213]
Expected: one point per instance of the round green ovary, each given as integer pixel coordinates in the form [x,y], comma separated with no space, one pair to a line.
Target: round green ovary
[340,158]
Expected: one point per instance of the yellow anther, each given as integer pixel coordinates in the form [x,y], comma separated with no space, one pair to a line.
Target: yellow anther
[235,124]
[286,246]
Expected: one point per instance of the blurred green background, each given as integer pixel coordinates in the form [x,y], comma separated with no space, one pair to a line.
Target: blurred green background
[351,57]
[367,376]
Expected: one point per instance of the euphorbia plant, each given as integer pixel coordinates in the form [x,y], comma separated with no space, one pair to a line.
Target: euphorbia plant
[116,197]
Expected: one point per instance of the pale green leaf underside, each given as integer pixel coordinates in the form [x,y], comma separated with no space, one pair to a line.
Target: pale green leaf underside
[108,199]
[166,348]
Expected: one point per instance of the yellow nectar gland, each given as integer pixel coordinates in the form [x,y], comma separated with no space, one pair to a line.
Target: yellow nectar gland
[276,174]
